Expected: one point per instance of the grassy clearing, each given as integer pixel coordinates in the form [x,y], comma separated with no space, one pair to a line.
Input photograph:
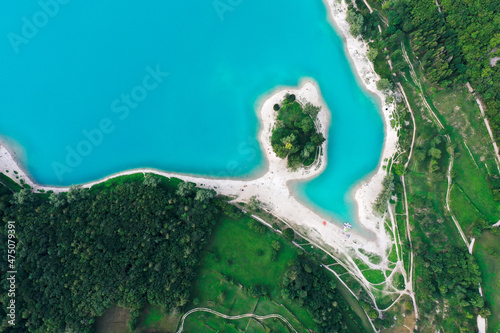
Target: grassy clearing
[114,320]
[235,250]
[117,181]
[7,181]
[393,256]
[154,320]
[463,116]
[487,251]
[468,213]
[245,257]
[374,276]
[238,257]
[474,185]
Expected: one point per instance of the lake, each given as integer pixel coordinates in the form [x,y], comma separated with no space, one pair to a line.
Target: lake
[93,88]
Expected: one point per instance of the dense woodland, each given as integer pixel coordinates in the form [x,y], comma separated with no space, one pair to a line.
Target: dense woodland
[453,275]
[294,135]
[85,251]
[455,41]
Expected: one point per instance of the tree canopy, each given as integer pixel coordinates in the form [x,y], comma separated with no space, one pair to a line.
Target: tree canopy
[82,252]
[294,135]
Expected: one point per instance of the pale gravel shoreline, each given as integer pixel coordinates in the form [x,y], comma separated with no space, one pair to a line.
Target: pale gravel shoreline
[271,187]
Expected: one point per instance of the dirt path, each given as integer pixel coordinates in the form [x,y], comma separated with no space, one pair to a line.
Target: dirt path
[439,6]
[438,122]
[247,315]
[414,124]
[487,123]
[448,191]
[8,187]
[412,294]
[408,233]
[357,275]
[417,82]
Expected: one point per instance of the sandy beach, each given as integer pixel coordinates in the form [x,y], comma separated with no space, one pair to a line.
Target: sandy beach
[271,187]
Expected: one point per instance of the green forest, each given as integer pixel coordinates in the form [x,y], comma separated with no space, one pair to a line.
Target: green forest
[430,50]
[135,242]
[85,251]
[455,41]
[295,136]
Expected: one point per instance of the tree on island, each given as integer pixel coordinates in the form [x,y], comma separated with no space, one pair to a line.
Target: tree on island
[312,110]
[295,136]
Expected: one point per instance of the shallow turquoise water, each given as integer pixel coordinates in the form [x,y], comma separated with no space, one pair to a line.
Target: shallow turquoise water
[70,76]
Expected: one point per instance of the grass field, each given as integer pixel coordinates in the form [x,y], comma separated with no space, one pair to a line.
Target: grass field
[236,258]
[487,250]
[239,256]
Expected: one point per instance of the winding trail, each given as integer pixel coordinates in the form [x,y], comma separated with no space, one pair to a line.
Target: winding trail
[414,123]
[417,82]
[487,123]
[481,322]
[247,315]
[408,233]
[359,277]
[411,282]
[448,191]
[438,122]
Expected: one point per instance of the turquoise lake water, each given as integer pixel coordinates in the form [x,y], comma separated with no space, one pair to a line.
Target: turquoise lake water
[65,78]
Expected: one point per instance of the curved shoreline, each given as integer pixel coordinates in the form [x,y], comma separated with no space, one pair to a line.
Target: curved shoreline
[271,188]
[310,220]
[367,189]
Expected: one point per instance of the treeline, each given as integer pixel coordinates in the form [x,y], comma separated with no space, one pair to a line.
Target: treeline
[83,252]
[454,276]
[308,284]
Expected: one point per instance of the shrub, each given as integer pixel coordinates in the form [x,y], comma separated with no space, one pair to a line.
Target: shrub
[289,234]
[276,107]
[384,85]
[289,98]
[257,227]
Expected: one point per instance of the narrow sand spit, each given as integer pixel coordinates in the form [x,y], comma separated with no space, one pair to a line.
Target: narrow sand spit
[271,188]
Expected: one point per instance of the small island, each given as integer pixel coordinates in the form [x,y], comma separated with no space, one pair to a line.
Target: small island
[295,135]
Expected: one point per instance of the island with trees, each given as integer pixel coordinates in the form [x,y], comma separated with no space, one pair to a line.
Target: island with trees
[295,135]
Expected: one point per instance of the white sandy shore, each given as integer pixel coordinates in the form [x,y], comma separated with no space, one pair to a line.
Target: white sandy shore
[367,191]
[271,188]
